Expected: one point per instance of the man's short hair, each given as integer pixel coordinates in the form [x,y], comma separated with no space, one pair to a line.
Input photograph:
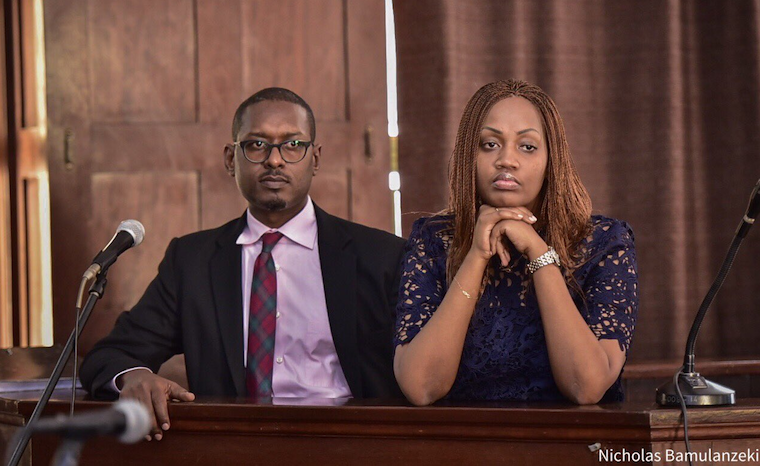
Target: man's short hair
[277,94]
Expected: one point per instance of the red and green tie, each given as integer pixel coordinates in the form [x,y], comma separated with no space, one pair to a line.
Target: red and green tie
[262,320]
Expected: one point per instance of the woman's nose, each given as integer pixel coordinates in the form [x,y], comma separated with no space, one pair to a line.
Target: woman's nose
[508,157]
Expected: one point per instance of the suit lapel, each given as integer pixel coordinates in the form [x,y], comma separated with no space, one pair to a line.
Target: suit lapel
[226,273]
[338,263]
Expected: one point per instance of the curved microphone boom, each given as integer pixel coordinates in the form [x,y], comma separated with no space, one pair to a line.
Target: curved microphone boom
[688,385]
[753,209]
[129,234]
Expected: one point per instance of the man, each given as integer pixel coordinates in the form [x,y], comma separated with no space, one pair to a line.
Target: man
[286,301]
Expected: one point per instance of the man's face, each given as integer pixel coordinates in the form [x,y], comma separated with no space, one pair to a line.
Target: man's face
[273,185]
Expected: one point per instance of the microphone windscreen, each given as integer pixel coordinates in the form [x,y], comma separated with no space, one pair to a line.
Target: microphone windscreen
[137,417]
[134,228]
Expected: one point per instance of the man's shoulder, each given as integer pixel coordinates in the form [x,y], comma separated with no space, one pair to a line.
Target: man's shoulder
[230,230]
[363,233]
[369,243]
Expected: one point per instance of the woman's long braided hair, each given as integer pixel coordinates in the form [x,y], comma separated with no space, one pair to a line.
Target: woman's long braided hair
[564,205]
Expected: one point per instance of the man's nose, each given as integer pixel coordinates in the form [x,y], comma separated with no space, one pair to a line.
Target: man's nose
[275,158]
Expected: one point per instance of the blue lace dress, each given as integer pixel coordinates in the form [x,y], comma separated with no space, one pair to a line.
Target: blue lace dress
[505,355]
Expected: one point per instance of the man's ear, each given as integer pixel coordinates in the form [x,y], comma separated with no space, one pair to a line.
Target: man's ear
[229,159]
[316,155]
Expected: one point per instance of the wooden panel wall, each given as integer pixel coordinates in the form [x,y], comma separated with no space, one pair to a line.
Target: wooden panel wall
[142,60]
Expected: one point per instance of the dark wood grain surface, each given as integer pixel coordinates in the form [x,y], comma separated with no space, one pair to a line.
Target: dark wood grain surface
[299,431]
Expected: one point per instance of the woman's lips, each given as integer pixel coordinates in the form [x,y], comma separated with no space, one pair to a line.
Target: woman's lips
[505,182]
[506,185]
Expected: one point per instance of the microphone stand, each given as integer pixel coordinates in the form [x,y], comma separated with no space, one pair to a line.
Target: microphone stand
[688,383]
[68,452]
[96,292]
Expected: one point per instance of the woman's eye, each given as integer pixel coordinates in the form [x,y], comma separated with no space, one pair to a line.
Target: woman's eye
[489,145]
[528,147]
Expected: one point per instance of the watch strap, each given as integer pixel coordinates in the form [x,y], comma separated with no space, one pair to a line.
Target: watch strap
[549,257]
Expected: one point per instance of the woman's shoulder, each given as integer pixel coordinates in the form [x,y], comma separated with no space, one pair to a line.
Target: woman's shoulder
[432,233]
[604,230]
[432,226]
[606,235]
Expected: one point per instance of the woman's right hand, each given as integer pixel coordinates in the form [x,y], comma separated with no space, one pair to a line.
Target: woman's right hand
[483,248]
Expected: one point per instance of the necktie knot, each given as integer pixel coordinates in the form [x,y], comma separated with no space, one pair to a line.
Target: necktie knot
[270,240]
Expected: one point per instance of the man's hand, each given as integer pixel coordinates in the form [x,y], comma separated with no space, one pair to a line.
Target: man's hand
[154,392]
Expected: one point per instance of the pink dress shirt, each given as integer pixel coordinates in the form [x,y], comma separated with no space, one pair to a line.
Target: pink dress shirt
[305,361]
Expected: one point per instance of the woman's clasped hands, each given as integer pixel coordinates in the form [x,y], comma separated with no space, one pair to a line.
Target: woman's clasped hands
[499,227]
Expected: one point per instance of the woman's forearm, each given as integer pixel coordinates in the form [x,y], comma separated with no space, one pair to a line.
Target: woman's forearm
[583,367]
[426,367]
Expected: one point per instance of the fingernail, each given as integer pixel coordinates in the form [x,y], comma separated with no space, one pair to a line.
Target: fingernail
[532,218]
[165,426]
[159,437]
[519,215]
[148,438]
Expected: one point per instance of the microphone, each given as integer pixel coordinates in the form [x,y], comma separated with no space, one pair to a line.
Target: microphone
[753,209]
[129,234]
[129,420]
[688,387]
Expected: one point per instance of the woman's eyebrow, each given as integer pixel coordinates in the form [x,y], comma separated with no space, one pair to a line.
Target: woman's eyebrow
[526,130]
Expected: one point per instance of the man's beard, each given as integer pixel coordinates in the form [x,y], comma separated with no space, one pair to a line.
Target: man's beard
[275,205]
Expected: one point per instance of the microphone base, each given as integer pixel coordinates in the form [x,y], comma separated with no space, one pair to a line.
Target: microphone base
[696,391]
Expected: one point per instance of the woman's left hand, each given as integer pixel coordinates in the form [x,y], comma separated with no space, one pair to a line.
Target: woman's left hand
[521,234]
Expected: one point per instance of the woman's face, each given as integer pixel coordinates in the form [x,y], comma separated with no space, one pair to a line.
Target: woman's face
[512,155]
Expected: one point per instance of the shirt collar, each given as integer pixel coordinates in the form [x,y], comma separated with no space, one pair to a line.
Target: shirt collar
[301,229]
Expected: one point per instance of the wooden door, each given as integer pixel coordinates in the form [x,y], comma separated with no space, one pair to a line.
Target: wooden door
[141,95]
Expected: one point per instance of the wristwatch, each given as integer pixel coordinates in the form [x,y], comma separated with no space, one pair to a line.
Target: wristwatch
[549,257]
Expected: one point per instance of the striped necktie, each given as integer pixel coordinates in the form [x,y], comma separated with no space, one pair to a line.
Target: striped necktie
[262,320]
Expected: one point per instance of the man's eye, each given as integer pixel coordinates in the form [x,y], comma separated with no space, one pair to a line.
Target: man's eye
[255,145]
[294,143]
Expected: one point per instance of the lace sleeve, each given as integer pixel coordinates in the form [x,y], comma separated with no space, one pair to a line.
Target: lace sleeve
[422,281]
[611,286]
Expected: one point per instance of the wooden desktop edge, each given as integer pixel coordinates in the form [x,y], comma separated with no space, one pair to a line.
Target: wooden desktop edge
[618,422]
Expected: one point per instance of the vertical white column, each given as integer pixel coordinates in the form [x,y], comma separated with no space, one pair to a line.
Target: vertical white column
[394,178]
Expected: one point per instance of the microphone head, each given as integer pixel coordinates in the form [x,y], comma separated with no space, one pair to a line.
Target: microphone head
[134,228]
[138,419]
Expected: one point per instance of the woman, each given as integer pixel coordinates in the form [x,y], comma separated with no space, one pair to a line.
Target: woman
[516,292]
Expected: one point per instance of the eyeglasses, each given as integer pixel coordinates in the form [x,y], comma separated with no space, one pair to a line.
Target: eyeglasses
[258,151]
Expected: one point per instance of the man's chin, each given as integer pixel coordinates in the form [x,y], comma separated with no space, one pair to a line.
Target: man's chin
[274,205]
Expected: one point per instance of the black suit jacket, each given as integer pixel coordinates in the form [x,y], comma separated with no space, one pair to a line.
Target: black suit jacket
[194,305]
